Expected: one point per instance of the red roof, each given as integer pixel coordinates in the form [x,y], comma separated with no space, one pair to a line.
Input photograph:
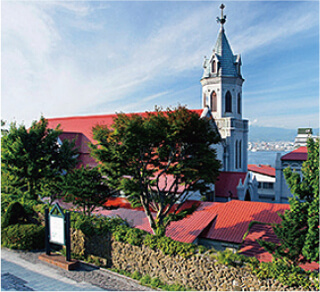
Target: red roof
[262,169]
[299,154]
[84,124]
[185,230]
[227,182]
[217,221]
[233,219]
[250,247]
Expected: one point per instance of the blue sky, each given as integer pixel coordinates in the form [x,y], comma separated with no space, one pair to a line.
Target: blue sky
[68,58]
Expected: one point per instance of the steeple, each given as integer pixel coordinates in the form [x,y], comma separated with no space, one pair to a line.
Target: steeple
[222,62]
[222,96]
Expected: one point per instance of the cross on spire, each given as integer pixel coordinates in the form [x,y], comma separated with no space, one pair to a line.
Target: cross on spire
[223,18]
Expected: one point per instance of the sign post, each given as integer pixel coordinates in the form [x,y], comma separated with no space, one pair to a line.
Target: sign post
[58,232]
[58,229]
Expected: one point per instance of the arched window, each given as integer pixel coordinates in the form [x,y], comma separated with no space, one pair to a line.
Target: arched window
[204,100]
[213,101]
[228,102]
[239,104]
[236,148]
[213,67]
[240,154]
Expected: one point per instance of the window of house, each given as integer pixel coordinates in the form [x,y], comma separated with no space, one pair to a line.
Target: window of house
[228,102]
[214,101]
[204,100]
[268,185]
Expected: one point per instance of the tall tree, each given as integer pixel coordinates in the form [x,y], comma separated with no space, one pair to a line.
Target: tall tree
[299,230]
[158,159]
[85,188]
[31,156]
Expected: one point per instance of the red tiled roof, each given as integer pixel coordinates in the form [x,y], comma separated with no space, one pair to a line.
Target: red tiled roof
[233,219]
[227,182]
[186,230]
[299,154]
[250,247]
[262,169]
[84,124]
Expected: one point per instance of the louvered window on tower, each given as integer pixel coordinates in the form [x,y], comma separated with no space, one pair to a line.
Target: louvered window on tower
[239,103]
[228,102]
[213,67]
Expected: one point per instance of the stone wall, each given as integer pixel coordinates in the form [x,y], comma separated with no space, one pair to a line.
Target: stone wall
[96,246]
[199,272]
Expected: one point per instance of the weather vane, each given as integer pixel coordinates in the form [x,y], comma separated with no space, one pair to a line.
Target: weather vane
[223,18]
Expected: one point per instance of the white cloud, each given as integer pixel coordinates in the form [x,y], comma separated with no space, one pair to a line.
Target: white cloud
[43,71]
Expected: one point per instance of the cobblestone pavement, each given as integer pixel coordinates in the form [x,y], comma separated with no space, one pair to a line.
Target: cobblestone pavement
[23,271]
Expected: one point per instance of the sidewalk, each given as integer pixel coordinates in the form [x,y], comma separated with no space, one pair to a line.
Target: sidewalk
[23,271]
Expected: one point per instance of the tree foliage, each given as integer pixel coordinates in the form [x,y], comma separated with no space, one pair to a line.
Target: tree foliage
[85,188]
[158,158]
[299,230]
[31,157]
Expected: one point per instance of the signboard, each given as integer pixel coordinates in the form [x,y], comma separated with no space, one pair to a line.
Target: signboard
[57,232]
[58,229]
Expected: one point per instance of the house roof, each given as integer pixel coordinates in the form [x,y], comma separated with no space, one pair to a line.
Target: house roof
[250,247]
[186,230]
[233,218]
[299,154]
[226,222]
[84,124]
[227,182]
[262,169]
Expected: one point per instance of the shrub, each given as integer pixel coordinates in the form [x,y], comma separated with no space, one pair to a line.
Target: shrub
[145,280]
[23,236]
[136,275]
[15,214]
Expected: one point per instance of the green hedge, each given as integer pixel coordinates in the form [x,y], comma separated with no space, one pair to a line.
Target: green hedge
[23,236]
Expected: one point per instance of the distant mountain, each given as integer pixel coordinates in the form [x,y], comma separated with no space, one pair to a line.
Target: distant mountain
[271,134]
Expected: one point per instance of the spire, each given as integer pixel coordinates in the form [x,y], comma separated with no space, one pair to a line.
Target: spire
[223,51]
[222,61]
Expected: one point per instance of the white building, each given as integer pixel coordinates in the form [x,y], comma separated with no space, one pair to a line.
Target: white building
[294,160]
[265,175]
[303,135]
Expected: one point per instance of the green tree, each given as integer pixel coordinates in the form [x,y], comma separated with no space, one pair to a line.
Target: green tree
[298,231]
[30,157]
[85,188]
[158,159]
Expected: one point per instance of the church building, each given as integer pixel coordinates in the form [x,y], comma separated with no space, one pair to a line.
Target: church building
[222,95]
[221,103]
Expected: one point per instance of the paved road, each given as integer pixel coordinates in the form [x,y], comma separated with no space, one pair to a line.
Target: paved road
[23,271]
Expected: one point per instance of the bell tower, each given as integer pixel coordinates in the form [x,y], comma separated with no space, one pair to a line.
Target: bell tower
[222,94]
